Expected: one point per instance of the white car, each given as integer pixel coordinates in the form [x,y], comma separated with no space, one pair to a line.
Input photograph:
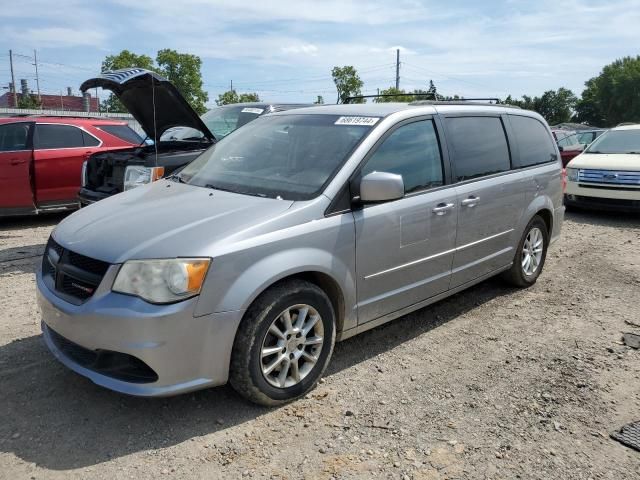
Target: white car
[607,174]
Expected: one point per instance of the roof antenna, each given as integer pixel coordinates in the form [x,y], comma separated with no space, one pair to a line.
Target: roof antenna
[155,128]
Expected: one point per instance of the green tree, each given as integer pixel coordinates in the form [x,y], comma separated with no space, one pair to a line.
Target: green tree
[432,91]
[184,71]
[348,83]
[399,95]
[613,96]
[29,101]
[231,96]
[125,59]
[556,106]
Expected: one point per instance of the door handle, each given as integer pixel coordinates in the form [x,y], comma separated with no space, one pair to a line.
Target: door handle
[15,161]
[442,208]
[470,202]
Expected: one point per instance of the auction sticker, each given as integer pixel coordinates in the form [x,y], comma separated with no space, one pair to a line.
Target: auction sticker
[366,121]
[257,111]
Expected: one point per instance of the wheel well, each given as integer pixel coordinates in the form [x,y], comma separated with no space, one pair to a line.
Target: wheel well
[328,286]
[547,216]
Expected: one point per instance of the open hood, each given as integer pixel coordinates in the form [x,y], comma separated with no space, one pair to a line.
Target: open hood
[139,90]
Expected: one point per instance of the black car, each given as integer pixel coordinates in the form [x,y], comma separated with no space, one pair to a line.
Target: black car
[176,135]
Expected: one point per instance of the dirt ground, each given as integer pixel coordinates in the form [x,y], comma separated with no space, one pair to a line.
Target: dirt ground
[494,383]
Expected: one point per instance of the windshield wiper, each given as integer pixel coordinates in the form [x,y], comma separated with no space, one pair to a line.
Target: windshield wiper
[240,192]
[176,178]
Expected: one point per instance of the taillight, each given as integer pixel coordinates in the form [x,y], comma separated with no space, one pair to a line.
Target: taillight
[564,180]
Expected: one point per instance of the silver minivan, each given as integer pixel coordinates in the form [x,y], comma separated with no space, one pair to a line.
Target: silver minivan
[299,229]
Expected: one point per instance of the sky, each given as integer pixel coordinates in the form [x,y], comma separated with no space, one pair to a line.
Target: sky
[285,50]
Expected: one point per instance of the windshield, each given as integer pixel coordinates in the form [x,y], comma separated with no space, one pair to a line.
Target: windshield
[285,156]
[616,141]
[221,121]
[224,120]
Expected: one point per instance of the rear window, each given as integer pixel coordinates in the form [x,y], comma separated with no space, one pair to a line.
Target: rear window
[479,146]
[123,132]
[534,143]
[58,136]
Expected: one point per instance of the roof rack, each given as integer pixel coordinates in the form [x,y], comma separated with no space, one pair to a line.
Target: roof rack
[389,95]
[434,99]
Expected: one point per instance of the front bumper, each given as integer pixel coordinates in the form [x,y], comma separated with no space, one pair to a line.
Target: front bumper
[187,353]
[87,197]
[602,197]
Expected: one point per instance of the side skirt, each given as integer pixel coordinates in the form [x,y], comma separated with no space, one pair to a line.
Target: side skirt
[416,306]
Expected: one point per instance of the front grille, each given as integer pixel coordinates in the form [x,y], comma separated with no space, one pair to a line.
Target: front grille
[69,275]
[120,366]
[610,177]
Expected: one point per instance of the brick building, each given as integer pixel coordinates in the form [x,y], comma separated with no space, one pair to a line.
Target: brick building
[70,103]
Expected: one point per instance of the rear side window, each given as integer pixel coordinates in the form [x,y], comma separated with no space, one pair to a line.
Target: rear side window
[14,136]
[411,151]
[534,142]
[58,136]
[479,146]
[123,132]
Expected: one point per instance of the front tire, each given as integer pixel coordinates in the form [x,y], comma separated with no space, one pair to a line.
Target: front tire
[283,344]
[530,254]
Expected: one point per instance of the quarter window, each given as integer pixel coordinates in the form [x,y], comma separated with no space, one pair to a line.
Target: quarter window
[89,140]
[58,136]
[14,136]
[534,142]
[479,146]
[411,151]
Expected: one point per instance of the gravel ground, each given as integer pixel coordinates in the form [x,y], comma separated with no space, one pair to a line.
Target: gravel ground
[492,383]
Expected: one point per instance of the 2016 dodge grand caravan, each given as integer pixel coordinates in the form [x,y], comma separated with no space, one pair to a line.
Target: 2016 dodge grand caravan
[299,229]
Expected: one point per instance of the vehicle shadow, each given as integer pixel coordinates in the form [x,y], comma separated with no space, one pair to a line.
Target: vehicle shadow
[604,218]
[59,420]
[31,221]
[23,259]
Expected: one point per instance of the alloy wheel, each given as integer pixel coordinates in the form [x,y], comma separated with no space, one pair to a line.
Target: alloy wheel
[532,251]
[292,346]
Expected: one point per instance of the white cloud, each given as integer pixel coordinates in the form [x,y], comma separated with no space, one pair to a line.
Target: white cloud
[55,37]
[304,48]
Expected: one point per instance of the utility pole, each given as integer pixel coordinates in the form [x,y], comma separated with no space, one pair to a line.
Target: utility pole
[231,86]
[13,81]
[397,69]
[35,62]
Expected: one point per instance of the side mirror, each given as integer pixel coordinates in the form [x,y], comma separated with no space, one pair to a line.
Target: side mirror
[561,148]
[381,187]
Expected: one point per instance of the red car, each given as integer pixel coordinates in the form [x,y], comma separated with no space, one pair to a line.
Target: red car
[41,159]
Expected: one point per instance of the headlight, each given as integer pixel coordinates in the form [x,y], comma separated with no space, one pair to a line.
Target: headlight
[572,174]
[162,281]
[83,175]
[136,176]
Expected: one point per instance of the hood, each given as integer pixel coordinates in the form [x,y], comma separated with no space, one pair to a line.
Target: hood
[607,161]
[165,220]
[138,89]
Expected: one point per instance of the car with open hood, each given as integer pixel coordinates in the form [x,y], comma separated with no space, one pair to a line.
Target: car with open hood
[176,132]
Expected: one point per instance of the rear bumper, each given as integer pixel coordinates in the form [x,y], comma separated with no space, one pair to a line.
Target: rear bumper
[184,352]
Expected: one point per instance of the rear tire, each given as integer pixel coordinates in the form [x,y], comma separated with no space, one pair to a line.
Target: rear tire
[530,255]
[283,344]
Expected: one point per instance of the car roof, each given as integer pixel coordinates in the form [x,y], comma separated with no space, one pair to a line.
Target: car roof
[635,126]
[64,120]
[384,109]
